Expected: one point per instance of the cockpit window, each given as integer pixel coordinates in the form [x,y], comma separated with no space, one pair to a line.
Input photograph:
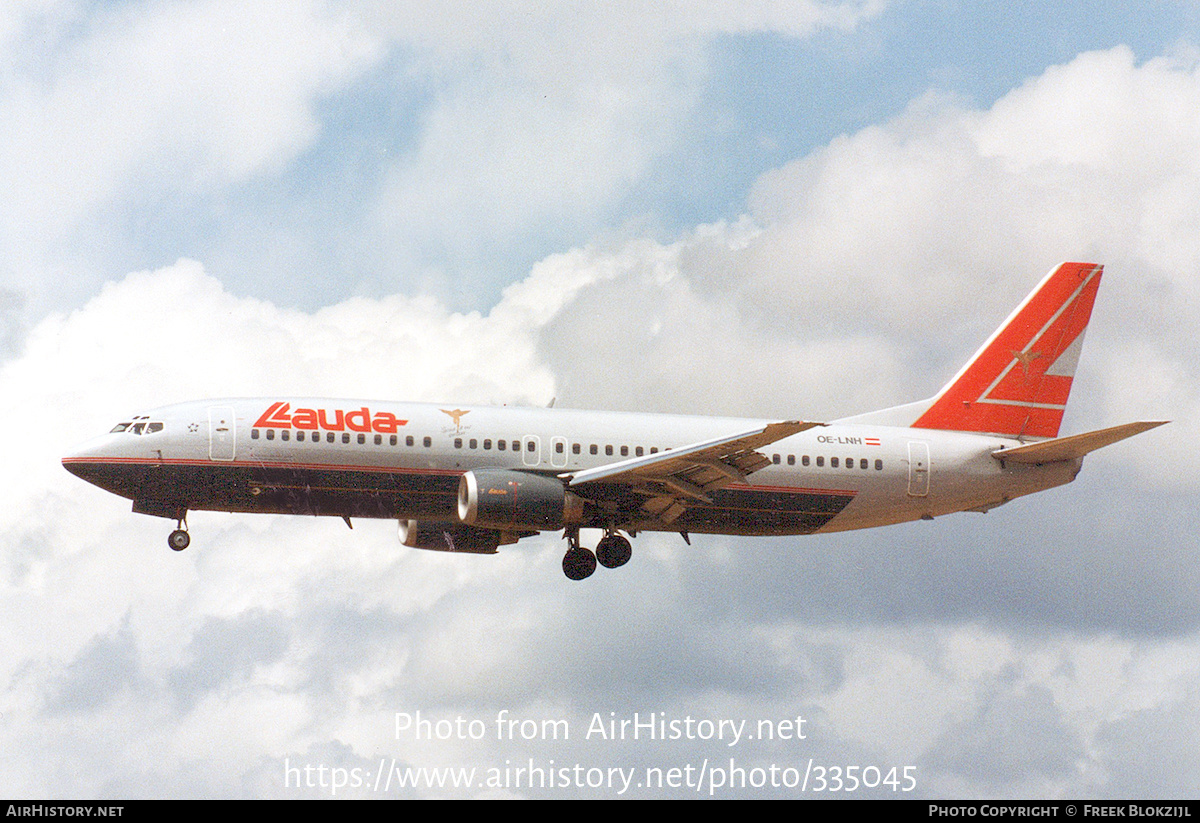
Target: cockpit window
[138,426]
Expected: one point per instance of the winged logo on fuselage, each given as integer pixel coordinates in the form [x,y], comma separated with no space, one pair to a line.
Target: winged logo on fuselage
[456,415]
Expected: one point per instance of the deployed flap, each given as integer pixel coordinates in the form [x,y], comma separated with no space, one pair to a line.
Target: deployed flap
[692,471]
[1077,445]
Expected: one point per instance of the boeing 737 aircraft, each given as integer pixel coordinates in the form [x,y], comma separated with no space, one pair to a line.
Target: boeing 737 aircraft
[470,479]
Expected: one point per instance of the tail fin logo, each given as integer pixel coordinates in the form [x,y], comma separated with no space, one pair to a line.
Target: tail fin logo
[1018,383]
[1025,358]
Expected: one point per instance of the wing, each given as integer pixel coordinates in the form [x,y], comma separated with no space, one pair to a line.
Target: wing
[672,479]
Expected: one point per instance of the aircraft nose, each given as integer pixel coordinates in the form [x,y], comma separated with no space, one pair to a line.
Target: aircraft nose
[90,460]
[71,463]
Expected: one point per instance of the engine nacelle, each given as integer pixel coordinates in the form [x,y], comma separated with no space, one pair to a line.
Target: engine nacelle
[451,537]
[515,501]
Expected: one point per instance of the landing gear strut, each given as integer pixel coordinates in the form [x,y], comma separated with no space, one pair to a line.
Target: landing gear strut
[179,539]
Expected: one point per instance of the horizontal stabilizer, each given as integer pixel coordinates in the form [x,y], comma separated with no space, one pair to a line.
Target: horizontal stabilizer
[1075,446]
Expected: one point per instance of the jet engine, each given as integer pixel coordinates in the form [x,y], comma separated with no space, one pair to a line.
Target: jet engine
[515,501]
[451,537]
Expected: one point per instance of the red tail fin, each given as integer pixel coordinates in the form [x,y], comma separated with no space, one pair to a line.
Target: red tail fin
[1018,382]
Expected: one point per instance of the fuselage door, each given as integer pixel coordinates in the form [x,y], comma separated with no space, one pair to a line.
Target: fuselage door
[558,452]
[531,450]
[918,468]
[222,433]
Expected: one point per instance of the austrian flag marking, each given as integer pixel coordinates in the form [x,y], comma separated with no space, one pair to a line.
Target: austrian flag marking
[279,416]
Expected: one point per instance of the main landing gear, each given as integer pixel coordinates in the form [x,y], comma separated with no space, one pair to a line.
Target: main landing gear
[179,539]
[612,551]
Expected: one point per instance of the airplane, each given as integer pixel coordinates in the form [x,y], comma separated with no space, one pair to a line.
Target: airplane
[471,479]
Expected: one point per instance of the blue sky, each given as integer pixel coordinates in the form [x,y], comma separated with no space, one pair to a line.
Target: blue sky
[774,209]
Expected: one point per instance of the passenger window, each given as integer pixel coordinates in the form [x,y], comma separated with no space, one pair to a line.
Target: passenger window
[862,464]
[820,461]
[427,442]
[331,437]
[487,444]
[624,451]
[270,434]
[362,438]
[473,443]
[392,440]
[345,437]
[833,462]
[254,434]
[408,441]
[558,447]
[458,442]
[791,459]
[502,445]
[593,449]
[379,440]
[878,465]
[775,459]
[575,448]
[530,446]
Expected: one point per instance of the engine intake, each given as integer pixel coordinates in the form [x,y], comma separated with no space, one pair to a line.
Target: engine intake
[512,500]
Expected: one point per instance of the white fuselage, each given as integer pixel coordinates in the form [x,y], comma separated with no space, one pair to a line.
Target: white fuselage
[404,461]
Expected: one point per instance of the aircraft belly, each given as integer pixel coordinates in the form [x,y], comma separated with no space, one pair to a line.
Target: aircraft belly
[279,489]
[751,511]
[351,492]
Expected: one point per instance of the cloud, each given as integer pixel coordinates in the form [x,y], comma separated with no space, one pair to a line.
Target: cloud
[175,96]
[942,218]
[543,125]
[1043,173]
[426,146]
[1130,745]
[120,116]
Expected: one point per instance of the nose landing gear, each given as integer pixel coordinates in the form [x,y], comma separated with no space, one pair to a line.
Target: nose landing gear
[179,539]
